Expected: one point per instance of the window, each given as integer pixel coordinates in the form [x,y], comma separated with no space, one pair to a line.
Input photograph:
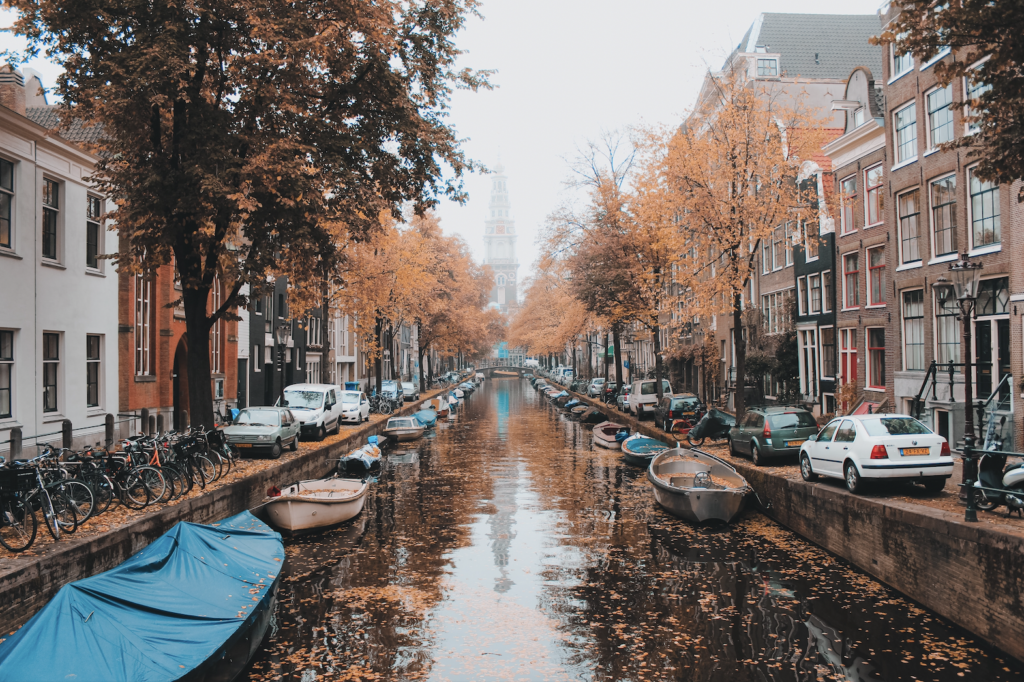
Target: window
[312,368]
[801,295]
[826,291]
[876,357]
[92,370]
[873,198]
[809,362]
[848,356]
[901,63]
[775,312]
[848,195]
[501,280]
[51,366]
[910,227]
[940,116]
[859,116]
[791,236]
[905,125]
[217,329]
[766,257]
[828,351]
[143,325]
[777,248]
[814,288]
[947,329]
[913,330]
[767,68]
[6,370]
[993,297]
[6,199]
[984,207]
[876,276]
[943,197]
[92,232]
[974,89]
[851,276]
[811,242]
[51,207]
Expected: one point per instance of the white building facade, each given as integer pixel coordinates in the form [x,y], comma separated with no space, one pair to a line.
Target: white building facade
[500,243]
[58,296]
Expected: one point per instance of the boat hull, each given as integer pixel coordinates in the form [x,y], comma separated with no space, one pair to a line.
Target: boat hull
[697,505]
[604,435]
[641,456]
[296,513]
[402,435]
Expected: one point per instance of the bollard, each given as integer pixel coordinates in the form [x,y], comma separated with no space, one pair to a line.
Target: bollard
[65,434]
[146,428]
[159,424]
[151,425]
[184,420]
[109,441]
[15,443]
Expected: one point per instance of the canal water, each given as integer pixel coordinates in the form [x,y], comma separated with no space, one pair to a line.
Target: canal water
[505,546]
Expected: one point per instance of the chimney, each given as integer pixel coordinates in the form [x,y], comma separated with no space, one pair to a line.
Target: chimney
[12,89]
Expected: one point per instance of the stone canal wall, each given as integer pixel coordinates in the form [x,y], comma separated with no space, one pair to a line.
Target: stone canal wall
[28,586]
[971,574]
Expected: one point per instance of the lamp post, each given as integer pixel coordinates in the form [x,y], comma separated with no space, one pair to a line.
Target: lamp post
[282,335]
[966,277]
[627,345]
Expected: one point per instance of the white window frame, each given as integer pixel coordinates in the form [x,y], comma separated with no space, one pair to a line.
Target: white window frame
[842,265]
[896,144]
[971,129]
[9,362]
[810,294]
[96,362]
[821,352]
[217,329]
[769,64]
[881,196]
[985,248]
[870,303]
[10,195]
[936,256]
[810,235]
[921,256]
[766,250]
[903,328]
[826,299]
[893,57]
[90,221]
[58,383]
[847,203]
[801,295]
[58,229]
[868,386]
[143,326]
[929,141]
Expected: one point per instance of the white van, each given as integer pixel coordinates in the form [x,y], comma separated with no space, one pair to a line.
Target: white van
[563,375]
[316,406]
[643,396]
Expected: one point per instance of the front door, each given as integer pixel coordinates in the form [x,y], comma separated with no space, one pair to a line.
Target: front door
[992,355]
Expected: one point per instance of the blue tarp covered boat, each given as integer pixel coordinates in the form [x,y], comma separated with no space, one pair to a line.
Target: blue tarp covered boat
[426,417]
[639,450]
[193,605]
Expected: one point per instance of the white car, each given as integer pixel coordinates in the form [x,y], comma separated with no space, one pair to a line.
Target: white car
[595,387]
[643,396]
[315,406]
[890,446]
[355,407]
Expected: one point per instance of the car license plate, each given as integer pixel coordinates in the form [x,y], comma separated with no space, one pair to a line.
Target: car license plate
[915,451]
[243,445]
[793,443]
[687,414]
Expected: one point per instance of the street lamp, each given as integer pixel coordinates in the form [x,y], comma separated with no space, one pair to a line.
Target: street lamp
[627,345]
[282,335]
[966,278]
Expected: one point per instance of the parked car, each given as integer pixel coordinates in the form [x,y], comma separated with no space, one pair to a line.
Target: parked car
[683,406]
[411,391]
[263,430]
[622,399]
[392,390]
[870,446]
[643,397]
[595,387]
[315,406]
[355,407]
[771,432]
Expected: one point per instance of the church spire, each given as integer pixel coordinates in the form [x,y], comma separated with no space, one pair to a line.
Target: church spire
[500,240]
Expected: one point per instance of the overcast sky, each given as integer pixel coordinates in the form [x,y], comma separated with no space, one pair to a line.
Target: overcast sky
[569,70]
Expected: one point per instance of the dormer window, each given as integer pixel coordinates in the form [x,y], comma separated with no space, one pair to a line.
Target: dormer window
[858,117]
[767,68]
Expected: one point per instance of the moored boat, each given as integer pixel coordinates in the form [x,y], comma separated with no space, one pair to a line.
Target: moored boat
[426,417]
[404,428]
[366,457]
[640,450]
[195,604]
[604,435]
[437,405]
[579,409]
[696,486]
[317,503]
[592,415]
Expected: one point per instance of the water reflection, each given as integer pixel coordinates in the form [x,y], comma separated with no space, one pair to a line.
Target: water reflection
[507,548]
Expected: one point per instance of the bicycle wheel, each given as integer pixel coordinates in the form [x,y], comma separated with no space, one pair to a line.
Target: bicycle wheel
[207,469]
[133,491]
[81,498]
[58,514]
[103,493]
[155,481]
[17,525]
[385,408]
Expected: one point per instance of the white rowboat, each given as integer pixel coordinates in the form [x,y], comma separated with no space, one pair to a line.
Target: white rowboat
[317,503]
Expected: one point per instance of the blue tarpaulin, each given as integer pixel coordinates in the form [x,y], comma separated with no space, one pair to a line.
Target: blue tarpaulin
[169,612]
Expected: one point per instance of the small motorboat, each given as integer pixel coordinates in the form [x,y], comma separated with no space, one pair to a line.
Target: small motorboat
[459,393]
[572,403]
[578,410]
[640,450]
[426,417]
[592,415]
[437,405]
[605,432]
[316,504]
[366,457]
[404,428]
[696,486]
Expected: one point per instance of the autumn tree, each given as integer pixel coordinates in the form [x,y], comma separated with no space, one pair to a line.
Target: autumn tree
[974,30]
[728,177]
[241,138]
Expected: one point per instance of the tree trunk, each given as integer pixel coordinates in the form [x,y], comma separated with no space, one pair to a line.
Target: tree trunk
[658,368]
[197,335]
[423,377]
[379,378]
[741,356]
[618,357]
[605,354]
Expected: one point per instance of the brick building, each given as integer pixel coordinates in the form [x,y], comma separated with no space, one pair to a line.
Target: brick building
[936,208]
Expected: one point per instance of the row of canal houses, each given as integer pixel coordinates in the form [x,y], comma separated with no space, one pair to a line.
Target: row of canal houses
[860,298]
[79,341]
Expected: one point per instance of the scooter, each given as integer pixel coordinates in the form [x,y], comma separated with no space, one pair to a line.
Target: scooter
[1005,484]
[715,425]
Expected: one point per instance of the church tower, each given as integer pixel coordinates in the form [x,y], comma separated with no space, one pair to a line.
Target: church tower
[500,243]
